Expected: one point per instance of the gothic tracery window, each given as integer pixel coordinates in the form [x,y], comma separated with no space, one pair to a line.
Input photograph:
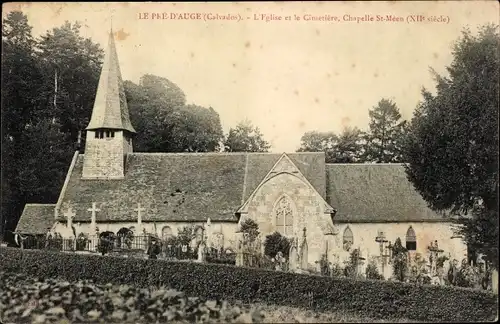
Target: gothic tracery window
[347,239]
[284,216]
[411,239]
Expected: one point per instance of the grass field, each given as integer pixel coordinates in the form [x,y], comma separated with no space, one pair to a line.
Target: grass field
[282,314]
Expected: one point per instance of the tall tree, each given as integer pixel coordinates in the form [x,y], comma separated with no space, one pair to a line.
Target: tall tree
[164,122]
[20,83]
[246,138]
[386,133]
[196,129]
[314,141]
[47,95]
[349,147]
[344,148]
[72,65]
[452,146]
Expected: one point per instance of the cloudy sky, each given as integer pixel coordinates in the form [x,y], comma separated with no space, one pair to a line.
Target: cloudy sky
[286,76]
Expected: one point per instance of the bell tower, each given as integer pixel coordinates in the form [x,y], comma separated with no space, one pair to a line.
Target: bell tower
[109,133]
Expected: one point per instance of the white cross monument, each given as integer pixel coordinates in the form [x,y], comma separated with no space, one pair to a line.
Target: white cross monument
[93,224]
[70,214]
[139,209]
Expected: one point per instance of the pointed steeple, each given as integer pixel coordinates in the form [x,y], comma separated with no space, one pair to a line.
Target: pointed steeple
[110,106]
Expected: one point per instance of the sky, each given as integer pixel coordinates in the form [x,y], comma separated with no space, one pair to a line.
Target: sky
[286,76]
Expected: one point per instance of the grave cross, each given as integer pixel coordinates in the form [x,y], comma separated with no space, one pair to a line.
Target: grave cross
[139,209]
[69,216]
[94,209]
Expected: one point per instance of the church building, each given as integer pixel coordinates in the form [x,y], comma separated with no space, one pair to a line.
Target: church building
[341,206]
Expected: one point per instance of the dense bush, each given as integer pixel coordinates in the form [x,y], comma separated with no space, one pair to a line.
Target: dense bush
[29,300]
[372,271]
[376,299]
[275,243]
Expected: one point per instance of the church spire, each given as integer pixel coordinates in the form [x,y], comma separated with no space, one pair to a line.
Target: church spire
[110,105]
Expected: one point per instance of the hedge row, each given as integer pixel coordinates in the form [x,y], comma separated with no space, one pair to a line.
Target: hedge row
[375,299]
[25,299]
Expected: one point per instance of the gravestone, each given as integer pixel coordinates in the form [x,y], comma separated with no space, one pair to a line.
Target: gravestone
[304,252]
[208,231]
[494,281]
[93,220]
[239,250]
[293,256]
[201,252]
[139,211]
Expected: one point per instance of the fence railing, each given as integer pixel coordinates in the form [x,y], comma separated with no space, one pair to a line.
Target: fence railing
[127,244]
[139,246]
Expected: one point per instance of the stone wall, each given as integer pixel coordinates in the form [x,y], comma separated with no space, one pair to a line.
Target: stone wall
[104,156]
[364,238]
[308,209]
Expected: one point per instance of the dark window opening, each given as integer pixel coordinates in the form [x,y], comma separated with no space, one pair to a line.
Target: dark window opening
[348,239]
[99,134]
[411,246]
[411,239]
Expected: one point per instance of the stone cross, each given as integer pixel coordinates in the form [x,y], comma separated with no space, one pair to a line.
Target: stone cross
[304,251]
[293,256]
[69,215]
[139,209]
[93,221]
[494,281]
[201,252]
[208,233]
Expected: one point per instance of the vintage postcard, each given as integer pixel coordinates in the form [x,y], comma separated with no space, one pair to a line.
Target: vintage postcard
[260,162]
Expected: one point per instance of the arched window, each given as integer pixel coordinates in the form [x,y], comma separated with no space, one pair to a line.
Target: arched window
[284,216]
[166,232]
[411,239]
[347,239]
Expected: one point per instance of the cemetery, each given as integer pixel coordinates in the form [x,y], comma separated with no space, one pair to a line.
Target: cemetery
[360,297]
[277,252]
[198,234]
[258,266]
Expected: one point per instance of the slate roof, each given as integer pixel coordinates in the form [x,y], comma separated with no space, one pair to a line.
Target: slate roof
[180,186]
[110,105]
[36,218]
[375,193]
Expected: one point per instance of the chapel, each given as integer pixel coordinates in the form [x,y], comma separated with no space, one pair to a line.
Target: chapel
[341,206]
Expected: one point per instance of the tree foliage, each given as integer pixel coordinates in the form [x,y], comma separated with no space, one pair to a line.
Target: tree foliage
[163,121]
[347,147]
[385,137]
[452,146]
[315,141]
[48,90]
[250,228]
[400,260]
[275,243]
[246,137]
